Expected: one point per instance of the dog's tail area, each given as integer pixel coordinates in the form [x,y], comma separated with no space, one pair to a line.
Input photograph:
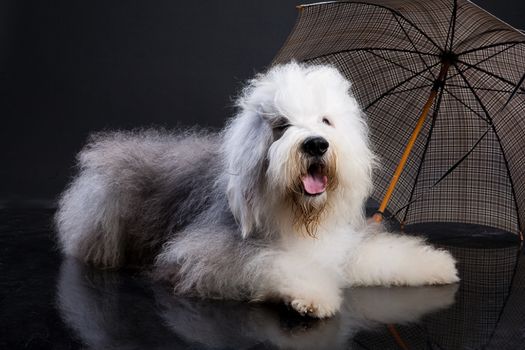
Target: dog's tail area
[88,221]
[95,210]
[117,210]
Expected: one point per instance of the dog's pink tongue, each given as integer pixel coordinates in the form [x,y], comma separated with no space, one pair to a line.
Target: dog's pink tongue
[315,183]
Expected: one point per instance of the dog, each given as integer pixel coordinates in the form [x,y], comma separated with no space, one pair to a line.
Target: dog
[268,209]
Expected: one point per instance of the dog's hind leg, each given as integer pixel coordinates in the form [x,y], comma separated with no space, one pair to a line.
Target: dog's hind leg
[393,259]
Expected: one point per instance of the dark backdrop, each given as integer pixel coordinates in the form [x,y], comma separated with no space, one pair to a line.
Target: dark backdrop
[68,68]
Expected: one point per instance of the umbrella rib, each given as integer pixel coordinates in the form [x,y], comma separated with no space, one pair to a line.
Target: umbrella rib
[442,177]
[483,88]
[467,106]
[397,92]
[378,216]
[480,48]
[480,35]
[452,26]
[386,93]
[491,123]
[514,91]
[413,45]
[423,156]
[370,49]
[487,58]
[395,13]
[400,65]
[488,73]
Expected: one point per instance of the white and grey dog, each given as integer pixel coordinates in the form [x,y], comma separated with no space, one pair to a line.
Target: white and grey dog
[271,208]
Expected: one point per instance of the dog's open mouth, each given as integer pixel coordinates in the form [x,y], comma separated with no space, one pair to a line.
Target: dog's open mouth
[315,181]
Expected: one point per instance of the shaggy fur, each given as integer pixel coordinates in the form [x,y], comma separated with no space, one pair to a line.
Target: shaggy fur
[230,215]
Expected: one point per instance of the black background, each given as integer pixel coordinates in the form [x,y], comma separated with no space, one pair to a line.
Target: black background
[68,68]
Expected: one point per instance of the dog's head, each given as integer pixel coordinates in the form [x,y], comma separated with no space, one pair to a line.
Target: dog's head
[297,153]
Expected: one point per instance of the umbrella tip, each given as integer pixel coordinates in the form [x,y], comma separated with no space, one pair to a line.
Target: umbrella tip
[299,7]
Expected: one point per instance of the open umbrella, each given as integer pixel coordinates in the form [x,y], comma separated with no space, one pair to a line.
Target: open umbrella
[442,85]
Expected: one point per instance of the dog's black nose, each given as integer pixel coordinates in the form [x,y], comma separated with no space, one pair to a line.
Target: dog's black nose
[315,146]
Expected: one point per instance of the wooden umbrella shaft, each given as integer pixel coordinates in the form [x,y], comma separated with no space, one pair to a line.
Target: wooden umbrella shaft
[378,216]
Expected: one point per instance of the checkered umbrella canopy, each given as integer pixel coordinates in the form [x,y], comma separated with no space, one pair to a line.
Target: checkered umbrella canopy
[462,64]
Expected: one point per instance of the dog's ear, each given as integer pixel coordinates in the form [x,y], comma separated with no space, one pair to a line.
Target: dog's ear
[246,142]
[242,211]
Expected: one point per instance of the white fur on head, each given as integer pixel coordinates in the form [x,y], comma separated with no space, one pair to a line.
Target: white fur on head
[262,168]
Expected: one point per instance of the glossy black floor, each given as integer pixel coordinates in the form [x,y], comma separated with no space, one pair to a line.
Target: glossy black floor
[52,303]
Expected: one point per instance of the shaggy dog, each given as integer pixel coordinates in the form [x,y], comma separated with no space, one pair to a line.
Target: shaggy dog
[271,208]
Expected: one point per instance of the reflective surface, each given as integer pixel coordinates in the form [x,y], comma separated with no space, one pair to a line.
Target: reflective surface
[52,303]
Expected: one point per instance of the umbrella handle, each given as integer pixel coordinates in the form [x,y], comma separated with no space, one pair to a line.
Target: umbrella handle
[378,216]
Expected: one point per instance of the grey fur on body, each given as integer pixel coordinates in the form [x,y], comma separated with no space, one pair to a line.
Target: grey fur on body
[136,191]
[145,188]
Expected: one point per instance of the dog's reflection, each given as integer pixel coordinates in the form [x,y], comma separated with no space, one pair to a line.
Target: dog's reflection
[115,310]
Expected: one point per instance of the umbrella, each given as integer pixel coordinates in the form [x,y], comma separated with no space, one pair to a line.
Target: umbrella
[442,84]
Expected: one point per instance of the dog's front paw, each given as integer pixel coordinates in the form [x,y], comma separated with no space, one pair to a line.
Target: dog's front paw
[313,309]
[316,308]
[441,268]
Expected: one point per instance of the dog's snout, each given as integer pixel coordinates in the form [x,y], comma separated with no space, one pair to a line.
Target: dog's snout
[315,146]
